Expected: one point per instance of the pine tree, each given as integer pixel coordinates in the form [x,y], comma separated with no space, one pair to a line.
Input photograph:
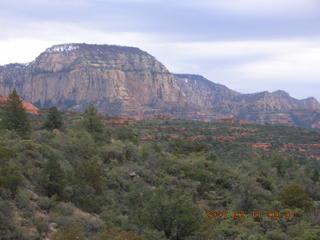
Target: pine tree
[54,119]
[15,116]
[91,121]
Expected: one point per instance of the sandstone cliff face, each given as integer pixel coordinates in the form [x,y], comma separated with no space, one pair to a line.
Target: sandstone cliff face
[277,107]
[12,76]
[202,92]
[114,78]
[128,81]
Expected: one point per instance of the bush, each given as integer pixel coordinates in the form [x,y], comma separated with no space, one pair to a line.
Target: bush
[174,214]
[10,178]
[125,133]
[69,233]
[23,199]
[117,234]
[180,146]
[53,178]
[294,196]
[42,224]
[46,203]
[54,119]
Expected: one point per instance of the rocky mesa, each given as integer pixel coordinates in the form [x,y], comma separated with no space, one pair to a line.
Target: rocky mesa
[115,79]
[128,81]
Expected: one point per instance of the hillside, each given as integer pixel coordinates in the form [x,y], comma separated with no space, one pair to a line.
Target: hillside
[158,179]
[130,82]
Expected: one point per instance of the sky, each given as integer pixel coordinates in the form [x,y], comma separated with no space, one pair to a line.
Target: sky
[247,45]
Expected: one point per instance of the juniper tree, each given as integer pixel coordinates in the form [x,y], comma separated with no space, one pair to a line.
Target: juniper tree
[92,121]
[15,116]
[54,119]
[53,178]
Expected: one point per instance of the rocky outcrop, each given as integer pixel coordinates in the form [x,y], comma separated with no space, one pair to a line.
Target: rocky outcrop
[203,93]
[217,101]
[30,108]
[209,95]
[265,146]
[129,82]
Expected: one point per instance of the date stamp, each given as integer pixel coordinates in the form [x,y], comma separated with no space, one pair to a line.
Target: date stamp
[271,214]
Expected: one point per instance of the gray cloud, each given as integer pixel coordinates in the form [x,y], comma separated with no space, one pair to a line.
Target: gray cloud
[266,44]
[189,20]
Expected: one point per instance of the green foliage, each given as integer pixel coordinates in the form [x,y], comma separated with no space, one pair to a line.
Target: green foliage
[86,185]
[174,214]
[315,175]
[154,235]
[91,173]
[117,234]
[7,227]
[23,199]
[265,183]
[125,133]
[110,181]
[54,119]
[70,233]
[15,116]
[6,152]
[311,234]
[10,178]
[75,144]
[91,121]
[276,235]
[180,146]
[295,196]
[53,179]
[211,157]
[46,203]
[281,164]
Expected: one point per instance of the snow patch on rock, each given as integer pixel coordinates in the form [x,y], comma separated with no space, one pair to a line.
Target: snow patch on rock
[63,48]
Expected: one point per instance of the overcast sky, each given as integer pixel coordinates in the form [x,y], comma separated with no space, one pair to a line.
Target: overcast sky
[248,45]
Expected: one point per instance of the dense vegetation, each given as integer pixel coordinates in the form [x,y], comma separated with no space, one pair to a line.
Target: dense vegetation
[75,176]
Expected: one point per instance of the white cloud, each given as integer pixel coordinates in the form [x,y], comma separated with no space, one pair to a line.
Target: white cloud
[287,61]
[235,49]
[44,2]
[129,1]
[21,50]
[255,59]
[301,64]
[263,7]
[24,43]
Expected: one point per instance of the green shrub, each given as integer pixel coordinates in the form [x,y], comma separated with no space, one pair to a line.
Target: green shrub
[294,196]
[69,233]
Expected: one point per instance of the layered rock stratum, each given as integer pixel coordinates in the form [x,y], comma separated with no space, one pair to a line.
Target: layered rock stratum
[128,81]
